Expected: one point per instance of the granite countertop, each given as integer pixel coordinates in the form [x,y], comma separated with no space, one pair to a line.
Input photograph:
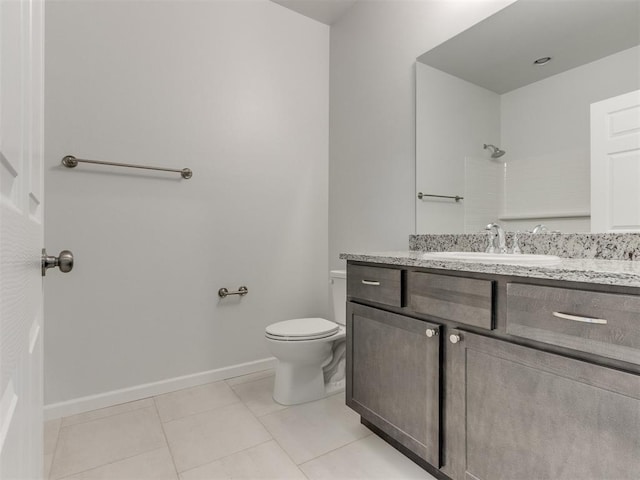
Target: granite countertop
[607,272]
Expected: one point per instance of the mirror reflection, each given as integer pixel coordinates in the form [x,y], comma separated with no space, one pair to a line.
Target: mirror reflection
[504,121]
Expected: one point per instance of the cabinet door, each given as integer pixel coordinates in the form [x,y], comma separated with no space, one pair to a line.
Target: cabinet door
[393,376]
[521,413]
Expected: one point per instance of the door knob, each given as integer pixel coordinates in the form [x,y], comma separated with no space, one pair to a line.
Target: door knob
[454,338]
[431,332]
[64,261]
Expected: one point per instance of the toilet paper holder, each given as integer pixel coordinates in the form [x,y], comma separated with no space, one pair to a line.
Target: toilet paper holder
[242,291]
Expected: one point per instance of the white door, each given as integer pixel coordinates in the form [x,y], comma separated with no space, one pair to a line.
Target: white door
[21,238]
[615,164]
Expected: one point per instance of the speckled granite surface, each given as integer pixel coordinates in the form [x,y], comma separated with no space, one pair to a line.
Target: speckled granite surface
[607,272]
[604,246]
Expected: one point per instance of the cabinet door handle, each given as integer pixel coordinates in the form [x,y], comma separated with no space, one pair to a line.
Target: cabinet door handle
[578,318]
[431,332]
[454,338]
[371,282]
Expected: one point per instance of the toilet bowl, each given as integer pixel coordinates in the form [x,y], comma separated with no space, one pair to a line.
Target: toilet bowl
[310,351]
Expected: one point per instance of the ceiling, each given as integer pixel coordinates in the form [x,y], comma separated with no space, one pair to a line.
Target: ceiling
[498,53]
[325,11]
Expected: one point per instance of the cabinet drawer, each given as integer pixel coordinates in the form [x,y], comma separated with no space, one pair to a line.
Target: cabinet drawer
[463,300]
[605,324]
[380,285]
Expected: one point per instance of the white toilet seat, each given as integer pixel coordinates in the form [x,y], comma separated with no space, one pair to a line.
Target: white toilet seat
[300,329]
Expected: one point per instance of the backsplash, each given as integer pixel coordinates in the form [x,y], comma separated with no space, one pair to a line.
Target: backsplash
[605,246]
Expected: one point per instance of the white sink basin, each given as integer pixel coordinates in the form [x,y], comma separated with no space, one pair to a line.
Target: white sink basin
[481,257]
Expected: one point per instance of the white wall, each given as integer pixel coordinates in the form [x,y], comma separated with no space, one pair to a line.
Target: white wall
[545,131]
[372,115]
[454,119]
[236,91]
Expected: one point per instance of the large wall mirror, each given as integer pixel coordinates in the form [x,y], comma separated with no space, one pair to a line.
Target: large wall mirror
[503,116]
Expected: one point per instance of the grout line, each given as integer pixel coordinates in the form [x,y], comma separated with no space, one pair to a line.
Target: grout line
[73,474]
[118,459]
[166,440]
[280,446]
[210,409]
[213,409]
[233,387]
[271,370]
[337,448]
[318,456]
[106,416]
[234,453]
[289,456]
[227,456]
[286,407]
[152,398]
[275,440]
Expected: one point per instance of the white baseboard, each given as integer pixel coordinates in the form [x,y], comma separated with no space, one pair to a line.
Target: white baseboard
[115,397]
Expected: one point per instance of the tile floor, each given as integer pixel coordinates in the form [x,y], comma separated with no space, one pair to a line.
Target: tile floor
[222,430]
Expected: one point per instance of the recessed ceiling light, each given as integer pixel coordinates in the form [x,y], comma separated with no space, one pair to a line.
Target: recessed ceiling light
[542,61]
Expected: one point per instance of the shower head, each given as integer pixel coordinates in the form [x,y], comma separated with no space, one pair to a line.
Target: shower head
[495,151]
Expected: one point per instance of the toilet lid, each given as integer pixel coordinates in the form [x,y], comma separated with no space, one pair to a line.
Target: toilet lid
[303,327]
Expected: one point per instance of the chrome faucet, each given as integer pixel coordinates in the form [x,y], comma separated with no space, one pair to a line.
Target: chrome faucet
[499,232]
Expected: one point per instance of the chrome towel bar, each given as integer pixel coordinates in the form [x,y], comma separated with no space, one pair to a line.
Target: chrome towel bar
[457,198]
[70,162]
[242,291]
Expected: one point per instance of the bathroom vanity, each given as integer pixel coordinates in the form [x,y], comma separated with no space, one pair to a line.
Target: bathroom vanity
[489,372]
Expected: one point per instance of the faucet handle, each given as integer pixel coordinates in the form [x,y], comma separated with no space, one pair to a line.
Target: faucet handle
[540,228]
[516,247]
[491,237]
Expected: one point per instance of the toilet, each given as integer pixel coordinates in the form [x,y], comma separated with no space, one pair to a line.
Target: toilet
[310,351]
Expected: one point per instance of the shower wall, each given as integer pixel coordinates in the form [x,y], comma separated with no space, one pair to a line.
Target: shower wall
[238,92]
[454,119]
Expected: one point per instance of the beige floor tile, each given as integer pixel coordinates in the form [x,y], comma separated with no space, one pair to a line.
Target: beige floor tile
[251,377]
[153,465]
[106,440]
[368,458]
[106,412]
[51,431]
[205,437]
[312,429]
[258,396]
[174,405]
[263,462]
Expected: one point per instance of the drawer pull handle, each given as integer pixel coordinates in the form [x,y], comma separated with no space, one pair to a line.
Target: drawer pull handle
[371,282]
[577,318]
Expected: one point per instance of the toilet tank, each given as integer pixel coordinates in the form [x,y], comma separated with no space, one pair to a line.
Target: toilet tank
[339,295]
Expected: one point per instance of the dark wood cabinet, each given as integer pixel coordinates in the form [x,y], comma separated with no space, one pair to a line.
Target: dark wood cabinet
[393,377]
[605,324]
[490,377]
[522,413]
[463,300]
[375,284]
